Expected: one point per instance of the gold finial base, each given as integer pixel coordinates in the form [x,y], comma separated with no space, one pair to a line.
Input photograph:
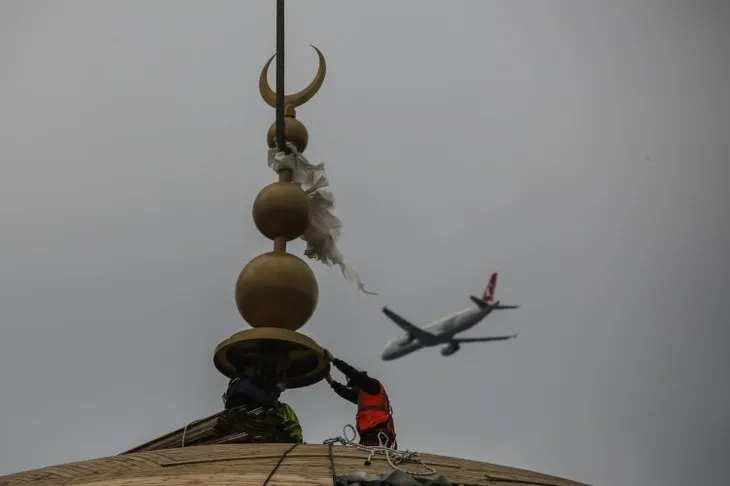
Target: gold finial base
[304,357]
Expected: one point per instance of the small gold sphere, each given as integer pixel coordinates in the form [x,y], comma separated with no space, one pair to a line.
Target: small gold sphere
[281,209]
[277,289]
[294,131]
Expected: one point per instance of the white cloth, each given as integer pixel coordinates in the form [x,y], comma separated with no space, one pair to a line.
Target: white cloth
[324,227]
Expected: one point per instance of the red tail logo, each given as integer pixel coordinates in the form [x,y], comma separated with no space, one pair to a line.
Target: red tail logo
[488,296]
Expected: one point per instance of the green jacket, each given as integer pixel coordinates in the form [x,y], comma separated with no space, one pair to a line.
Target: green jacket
[288,413]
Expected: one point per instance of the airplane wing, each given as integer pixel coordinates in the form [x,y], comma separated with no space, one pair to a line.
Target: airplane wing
[482,339]
[415,331]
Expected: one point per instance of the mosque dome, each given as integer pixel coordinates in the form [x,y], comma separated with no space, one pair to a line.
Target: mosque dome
[251,465]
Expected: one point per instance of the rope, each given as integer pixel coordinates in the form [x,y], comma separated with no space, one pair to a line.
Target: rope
[281,459]
[393,456]
[185,431]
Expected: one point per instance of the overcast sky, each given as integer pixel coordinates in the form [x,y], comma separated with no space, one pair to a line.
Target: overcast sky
[579,148]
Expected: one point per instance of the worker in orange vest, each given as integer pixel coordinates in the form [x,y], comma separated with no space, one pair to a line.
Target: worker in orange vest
[374,419]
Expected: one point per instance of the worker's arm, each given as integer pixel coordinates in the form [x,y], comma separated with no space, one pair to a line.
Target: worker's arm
[369,385]
[345,392]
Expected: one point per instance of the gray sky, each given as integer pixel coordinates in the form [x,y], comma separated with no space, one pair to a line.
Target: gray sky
[580,148]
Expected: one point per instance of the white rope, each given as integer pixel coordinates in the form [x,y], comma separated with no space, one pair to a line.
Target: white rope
[393,456]
[185,430]
[324,227]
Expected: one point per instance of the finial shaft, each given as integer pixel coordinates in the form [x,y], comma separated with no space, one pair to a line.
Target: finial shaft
[280,127]
[284,175]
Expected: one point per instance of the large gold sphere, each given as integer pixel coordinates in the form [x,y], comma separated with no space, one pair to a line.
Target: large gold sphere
[277,289]
[294,131]
[281,209]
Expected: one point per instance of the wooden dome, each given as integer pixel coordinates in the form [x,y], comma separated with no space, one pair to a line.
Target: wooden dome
[251,464]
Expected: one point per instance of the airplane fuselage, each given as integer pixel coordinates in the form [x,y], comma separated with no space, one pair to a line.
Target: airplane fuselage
[443,329]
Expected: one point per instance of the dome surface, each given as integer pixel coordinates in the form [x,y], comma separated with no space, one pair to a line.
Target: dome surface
[251,464]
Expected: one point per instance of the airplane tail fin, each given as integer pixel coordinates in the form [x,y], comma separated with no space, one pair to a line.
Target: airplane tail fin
[479,302]
[488,295]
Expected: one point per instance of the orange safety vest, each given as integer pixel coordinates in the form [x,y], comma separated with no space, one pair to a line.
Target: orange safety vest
[373,410]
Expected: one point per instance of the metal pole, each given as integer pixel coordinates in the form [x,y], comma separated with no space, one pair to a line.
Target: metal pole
[280,135]
[284,175]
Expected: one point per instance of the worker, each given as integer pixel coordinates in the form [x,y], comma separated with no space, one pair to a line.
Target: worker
[374,419]
[287,413]
[249,388]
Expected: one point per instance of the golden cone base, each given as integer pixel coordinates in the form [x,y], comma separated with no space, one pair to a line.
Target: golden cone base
[307,364]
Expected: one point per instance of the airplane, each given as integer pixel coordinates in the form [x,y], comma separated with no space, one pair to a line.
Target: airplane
[444,330]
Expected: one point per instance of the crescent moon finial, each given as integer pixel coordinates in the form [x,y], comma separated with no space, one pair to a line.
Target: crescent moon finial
[295,99]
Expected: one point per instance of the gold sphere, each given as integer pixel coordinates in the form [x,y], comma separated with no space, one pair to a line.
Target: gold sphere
[277,289]
[294,131]
[281,209]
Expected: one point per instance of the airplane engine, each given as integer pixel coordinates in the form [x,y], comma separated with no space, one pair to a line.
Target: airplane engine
[405,340]
[449,349]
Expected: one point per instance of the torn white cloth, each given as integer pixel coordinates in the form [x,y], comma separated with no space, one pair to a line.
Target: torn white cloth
[324,227]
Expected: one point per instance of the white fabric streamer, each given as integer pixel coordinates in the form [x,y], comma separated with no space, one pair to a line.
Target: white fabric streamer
[324,227]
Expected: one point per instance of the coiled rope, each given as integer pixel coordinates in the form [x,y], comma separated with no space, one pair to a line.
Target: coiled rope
[393,456]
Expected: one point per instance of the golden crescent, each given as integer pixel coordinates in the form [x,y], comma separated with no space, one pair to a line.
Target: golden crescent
[296,99]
